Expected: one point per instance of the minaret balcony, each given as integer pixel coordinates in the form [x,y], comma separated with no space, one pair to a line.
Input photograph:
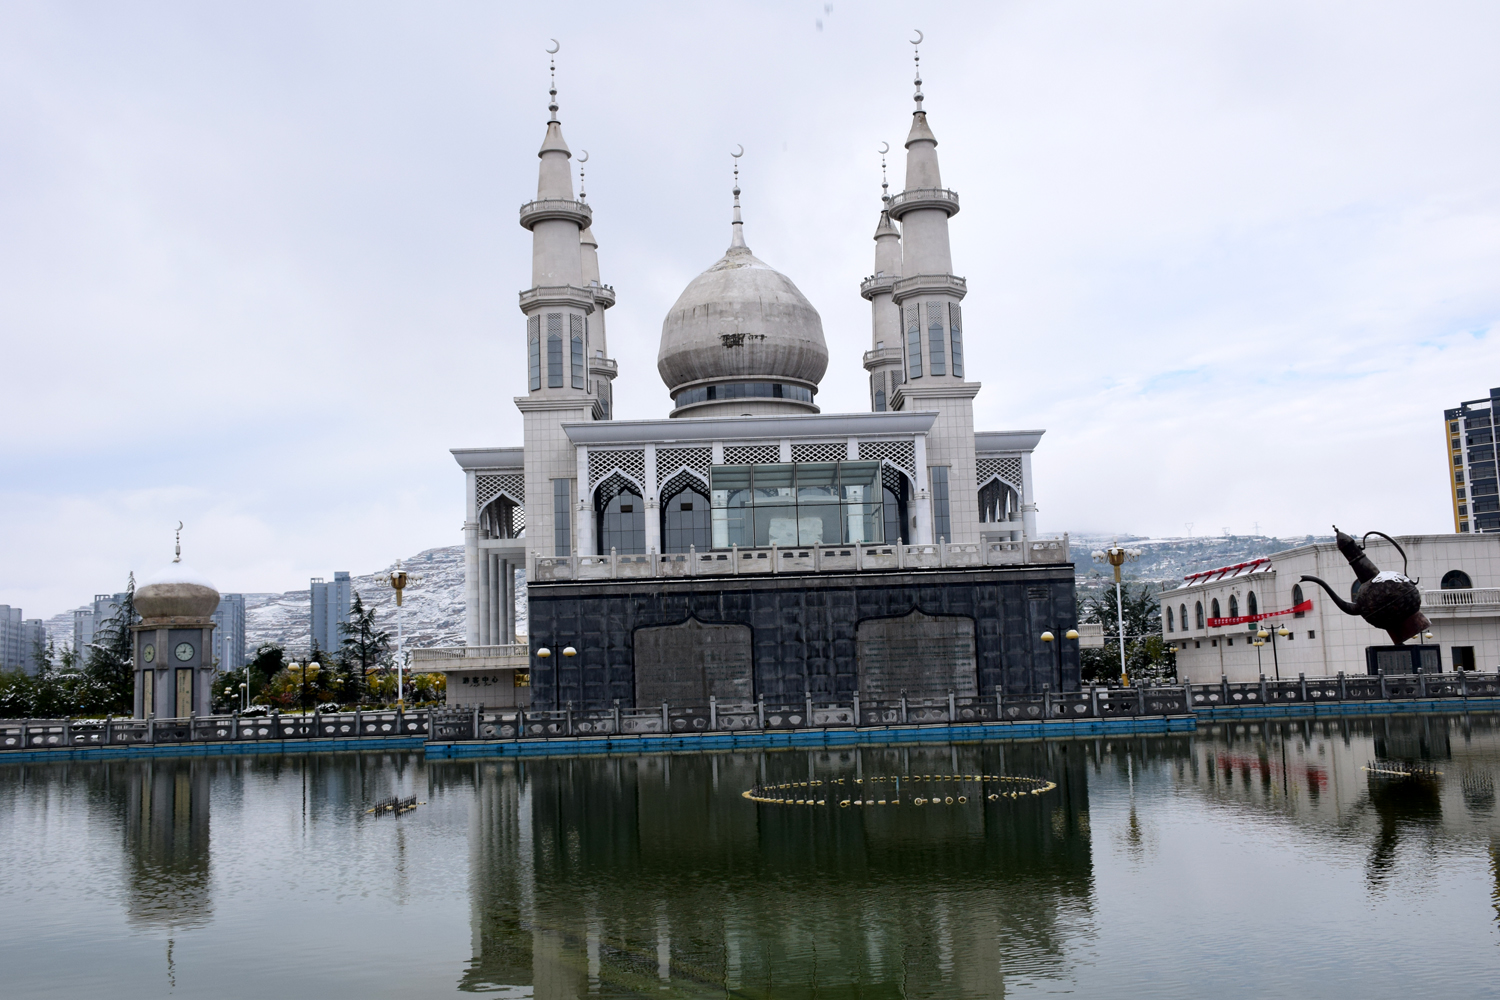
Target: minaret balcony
[882,357]
[604,367]
[916,199]
[929,284]
[877,284]
[577,212]
[559,296]
[604,295]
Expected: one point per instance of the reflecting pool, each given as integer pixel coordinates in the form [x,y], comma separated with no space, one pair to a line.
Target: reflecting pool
[1358,858]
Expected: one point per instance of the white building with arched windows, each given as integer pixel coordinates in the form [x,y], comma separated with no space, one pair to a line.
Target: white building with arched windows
[746,481]
[1460,580]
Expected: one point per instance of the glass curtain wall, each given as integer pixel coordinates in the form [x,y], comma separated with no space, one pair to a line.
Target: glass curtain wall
[810,503]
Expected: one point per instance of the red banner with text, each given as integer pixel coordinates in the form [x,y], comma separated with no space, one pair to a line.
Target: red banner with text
[1302,608]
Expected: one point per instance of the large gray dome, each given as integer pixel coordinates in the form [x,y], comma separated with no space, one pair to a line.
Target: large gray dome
[176,592]
[742,321]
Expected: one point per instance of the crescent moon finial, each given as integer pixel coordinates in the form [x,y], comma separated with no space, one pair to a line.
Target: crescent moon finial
[555,47]
[918,39]
[740,153]
[585,157]
[885,147]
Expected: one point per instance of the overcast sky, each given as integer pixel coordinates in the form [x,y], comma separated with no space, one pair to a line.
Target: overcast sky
[259,261]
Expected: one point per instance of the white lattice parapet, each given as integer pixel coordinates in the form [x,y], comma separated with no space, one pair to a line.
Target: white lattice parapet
[808,559]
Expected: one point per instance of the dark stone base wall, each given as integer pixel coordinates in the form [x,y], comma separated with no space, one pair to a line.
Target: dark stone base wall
[803,628]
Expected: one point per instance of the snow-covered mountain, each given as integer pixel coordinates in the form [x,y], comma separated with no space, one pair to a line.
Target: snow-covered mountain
[432,611]
[1168,560]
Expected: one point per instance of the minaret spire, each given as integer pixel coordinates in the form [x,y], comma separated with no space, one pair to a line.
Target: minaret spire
[737,227]
[883,361]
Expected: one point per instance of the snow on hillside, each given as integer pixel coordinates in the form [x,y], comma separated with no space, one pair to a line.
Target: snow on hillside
[1168,560]
[432,612]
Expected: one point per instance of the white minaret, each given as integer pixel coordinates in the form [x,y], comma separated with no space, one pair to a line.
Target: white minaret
[928,294]
[602,368]
[558,307]
[883,360]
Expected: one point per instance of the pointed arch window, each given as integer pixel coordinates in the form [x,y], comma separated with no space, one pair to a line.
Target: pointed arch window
[956,332]
[1297,599]
[1213,609]
[554,351]
[1234,607]
[1169,619]
[534,350]
[576,325]
[935,338]
[1182,616]
[1198,612]
[913,342]
[1251,606]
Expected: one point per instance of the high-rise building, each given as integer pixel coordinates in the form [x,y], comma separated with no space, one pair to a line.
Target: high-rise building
[88,619]
[20,640]
[1472,456]
[330,609]
[229,632]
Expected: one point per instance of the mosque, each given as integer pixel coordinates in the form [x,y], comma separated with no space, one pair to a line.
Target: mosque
[747,545]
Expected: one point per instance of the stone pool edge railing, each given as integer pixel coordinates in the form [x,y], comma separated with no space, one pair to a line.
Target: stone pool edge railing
[448,732]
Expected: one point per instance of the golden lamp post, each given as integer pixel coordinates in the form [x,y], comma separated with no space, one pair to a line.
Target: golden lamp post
[1116,555]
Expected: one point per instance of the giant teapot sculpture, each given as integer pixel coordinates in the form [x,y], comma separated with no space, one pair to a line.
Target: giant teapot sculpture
[1387,600]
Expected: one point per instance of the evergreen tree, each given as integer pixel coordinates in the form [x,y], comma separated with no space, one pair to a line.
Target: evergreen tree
[109,660]
[1147,659]
[365,647]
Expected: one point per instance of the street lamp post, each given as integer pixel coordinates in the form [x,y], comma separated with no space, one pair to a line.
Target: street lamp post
[1116,555]
[398,580]
[1260,640]
[1048,637]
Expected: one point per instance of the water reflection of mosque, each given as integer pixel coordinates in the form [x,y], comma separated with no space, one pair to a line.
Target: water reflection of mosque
[1404,779]
[627,875]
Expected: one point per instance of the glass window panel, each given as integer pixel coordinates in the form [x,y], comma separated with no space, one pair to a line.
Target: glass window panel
[819,524]
[817,482]
[859,482]
[773,484]
[775,525]
[935,337]
[686,523]
[863,523]
[913,343]
[623,526]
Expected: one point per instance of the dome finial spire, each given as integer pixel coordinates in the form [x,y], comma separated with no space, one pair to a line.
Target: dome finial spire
[178,557]
[583,194]
[885,184]
[917,58]
[737,238]
[552,91]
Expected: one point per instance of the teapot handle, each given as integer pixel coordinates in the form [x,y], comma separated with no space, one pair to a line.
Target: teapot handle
[1393,542]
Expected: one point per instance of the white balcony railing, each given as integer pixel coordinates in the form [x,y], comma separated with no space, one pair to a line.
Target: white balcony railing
[1477,598]
[801,559]
[447,653]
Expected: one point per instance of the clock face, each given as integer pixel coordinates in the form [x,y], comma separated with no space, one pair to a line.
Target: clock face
[184,651]
[148,653]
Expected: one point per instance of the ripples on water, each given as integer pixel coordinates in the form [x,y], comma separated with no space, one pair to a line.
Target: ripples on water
[1247,860]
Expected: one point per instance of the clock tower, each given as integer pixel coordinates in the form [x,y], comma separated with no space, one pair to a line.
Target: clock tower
[174,663]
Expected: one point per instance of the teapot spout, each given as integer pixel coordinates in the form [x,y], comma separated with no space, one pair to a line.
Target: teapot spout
[1343,605]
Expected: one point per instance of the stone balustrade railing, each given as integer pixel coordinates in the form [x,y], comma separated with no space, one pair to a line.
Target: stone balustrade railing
[444,655]
[758,716]
[801,559]
[1478,598]
[42,734]
[461,724]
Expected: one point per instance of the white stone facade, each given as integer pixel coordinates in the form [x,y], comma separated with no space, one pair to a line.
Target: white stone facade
[1460,580]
